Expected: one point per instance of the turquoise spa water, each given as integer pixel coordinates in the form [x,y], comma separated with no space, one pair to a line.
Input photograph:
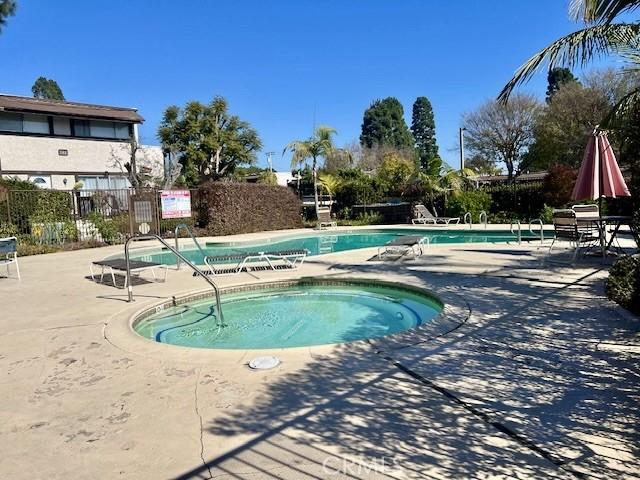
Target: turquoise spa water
[296,316]
[321,243]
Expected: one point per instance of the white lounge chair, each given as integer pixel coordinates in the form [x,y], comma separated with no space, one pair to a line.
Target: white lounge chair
[246,262]
[424,216]
[9,248]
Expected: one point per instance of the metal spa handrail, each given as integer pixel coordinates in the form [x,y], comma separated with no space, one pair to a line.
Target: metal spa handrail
[177,254]
[517,222]
[184,226]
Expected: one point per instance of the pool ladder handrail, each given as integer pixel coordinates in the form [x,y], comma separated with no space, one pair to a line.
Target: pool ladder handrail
[516,222]
[537,221]
[482,219]
[193,267]
[470,222]
[184,226]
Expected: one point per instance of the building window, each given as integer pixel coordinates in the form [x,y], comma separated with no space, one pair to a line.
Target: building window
[35,124]
[100,182]
[122,130]
[10,122]
[102,129]
[81,128]
[61,126]
[54,125]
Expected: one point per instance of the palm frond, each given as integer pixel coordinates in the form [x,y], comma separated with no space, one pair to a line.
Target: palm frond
[300,151]
[577,48]
[621,109]
[600,11]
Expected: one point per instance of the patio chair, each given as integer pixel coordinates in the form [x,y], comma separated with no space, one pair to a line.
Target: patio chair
[424,216]
[255,261]
[9,248]
[568,227]
[404,245]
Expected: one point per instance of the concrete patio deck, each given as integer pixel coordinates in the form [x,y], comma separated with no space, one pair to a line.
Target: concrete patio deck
[538,380]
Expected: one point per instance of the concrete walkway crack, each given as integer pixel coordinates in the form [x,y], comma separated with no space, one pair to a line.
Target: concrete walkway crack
[518,438]
[195,392]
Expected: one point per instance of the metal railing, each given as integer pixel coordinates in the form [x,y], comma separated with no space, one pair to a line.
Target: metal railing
[517,223]
[177,254]
[482,219]
[470,219]
[184,226]
[537,221]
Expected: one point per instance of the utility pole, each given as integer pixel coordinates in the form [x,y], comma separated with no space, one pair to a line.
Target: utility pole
[462,129]
[270,161]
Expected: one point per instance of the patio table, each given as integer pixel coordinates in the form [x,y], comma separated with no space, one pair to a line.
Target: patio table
[601,223]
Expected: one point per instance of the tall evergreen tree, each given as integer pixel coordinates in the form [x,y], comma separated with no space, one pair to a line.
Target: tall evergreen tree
[423,127]
[556,78]
[7,9]
[383,125]
[47,89]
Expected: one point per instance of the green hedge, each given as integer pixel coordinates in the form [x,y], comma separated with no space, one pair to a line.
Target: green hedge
[623,284]
[227,208]
[474,201]
[357,191]
[520,200]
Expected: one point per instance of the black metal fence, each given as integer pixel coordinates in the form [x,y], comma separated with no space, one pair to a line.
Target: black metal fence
[64,216]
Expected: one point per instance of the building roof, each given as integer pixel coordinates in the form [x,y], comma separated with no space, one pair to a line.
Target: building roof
[13,103]
[523,177]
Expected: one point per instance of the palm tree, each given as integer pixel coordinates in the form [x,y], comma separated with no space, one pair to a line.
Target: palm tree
[600,37]
[319,145]
[330,183]
[450,181]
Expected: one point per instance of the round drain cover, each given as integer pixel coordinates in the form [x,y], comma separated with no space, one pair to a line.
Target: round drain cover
[264,363]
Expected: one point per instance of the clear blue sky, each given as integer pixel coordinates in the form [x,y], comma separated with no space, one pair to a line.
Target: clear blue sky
[277,62]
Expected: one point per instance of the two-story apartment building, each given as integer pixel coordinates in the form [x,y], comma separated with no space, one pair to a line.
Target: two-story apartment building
[58,144]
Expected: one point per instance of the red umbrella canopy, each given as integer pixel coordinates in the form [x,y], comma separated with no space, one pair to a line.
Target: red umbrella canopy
[599,174]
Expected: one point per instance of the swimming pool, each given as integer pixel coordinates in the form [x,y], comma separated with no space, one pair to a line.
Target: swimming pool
[291,314]
[319,243]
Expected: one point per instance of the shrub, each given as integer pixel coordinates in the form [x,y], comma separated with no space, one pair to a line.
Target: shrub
[474,201]
[357,191]
[623,284]
[394,173]
[8,230]
[546,214]
[227,208]
[268,178]
[107,228]
[519,200]
[558,185]
[368,218]
[168,226]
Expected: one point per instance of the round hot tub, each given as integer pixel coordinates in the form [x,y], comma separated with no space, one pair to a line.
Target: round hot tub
[290,314]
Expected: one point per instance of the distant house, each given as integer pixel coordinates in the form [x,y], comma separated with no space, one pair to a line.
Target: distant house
[518,178]
[283,178]
[58,144]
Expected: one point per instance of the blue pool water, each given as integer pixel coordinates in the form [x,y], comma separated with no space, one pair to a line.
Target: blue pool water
[330,242]
[293,316]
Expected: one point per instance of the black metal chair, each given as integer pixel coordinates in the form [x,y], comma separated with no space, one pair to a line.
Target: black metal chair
[579,233]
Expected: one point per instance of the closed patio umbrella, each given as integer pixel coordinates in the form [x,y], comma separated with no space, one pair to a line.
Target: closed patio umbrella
[599,174]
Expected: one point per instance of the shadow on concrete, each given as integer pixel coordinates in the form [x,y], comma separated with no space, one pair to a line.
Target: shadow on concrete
[520,391]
